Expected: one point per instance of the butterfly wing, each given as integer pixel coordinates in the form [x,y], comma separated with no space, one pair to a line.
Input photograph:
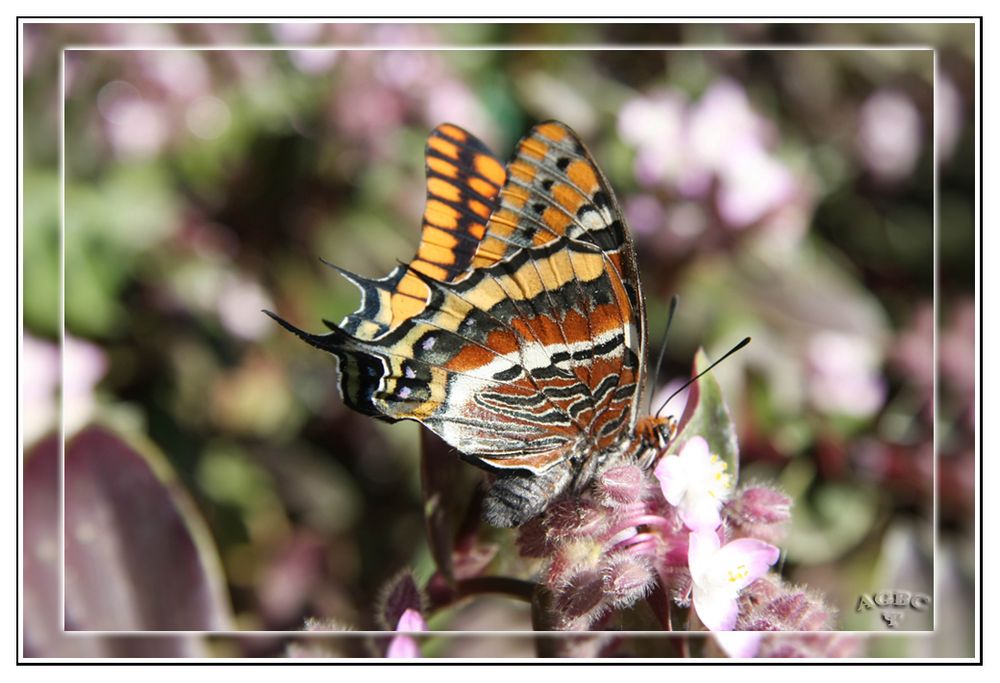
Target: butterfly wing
[529,360]
[557,205]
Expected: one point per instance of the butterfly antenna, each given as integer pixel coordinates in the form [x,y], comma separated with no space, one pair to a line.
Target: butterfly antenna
[663,347]
[746,340]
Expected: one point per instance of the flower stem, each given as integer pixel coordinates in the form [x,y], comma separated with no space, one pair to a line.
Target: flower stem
[481,585]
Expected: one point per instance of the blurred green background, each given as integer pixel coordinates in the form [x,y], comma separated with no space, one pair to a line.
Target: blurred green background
[785,195]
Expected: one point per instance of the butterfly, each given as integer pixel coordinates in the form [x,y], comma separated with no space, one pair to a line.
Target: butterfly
[517,333]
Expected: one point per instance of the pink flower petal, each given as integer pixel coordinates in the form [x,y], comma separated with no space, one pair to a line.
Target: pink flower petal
[411,621]
[696,447]
[671,474]
[403,647]
[757,556]
[702,547]
[673,471]
[700,514]
[739,644]
[717,610]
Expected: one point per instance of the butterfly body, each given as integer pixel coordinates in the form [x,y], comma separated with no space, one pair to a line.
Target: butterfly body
[517,334]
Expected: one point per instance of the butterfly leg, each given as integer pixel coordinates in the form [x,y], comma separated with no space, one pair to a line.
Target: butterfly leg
[516,497]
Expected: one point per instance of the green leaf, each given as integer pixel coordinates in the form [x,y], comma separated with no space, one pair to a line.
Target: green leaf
[707,415]
[110,225]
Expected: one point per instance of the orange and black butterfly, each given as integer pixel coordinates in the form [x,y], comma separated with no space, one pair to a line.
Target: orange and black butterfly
[518,332]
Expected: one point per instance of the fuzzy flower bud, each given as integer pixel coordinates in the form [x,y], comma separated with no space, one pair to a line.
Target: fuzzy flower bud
[743,644]
[769,604]
[574,519]
[602,546]
[810,645]
[582,601]
[627,579]
[533,538]
[621,486]
[398,595]
[758,512]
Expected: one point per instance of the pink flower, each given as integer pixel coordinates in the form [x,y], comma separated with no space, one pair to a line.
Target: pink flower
[297,33]
[84,365]
[655,126]
[753,183]
[138,128]
[313,61]
[844,375]
[739,644]
[948,110]
[238,299]
[889,135]
[645,213]
[718,141]
[404,646]
[723,119]
[40,364]
[719,573]
[696,483]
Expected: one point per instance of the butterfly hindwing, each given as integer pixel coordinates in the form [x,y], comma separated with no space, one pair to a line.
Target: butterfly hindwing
[463,181]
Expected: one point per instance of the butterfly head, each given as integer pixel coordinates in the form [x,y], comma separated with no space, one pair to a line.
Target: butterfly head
[654,434]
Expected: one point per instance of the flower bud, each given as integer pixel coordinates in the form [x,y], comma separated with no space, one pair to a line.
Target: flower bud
[573,559]
[581,601]
[758,512]
[533,538]
[398,595]
[404,646]
[621,486]
[771,605]
[811,645]
[627,578]
[574,519]
[762,505]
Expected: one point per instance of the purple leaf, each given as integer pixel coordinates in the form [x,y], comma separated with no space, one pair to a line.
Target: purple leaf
[43,613]
[138,555]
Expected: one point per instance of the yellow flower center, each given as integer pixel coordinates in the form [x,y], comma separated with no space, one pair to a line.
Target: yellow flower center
[737,574]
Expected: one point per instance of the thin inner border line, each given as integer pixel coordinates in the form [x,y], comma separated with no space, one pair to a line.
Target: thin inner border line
[570,47]
[818,20]
[473,48]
